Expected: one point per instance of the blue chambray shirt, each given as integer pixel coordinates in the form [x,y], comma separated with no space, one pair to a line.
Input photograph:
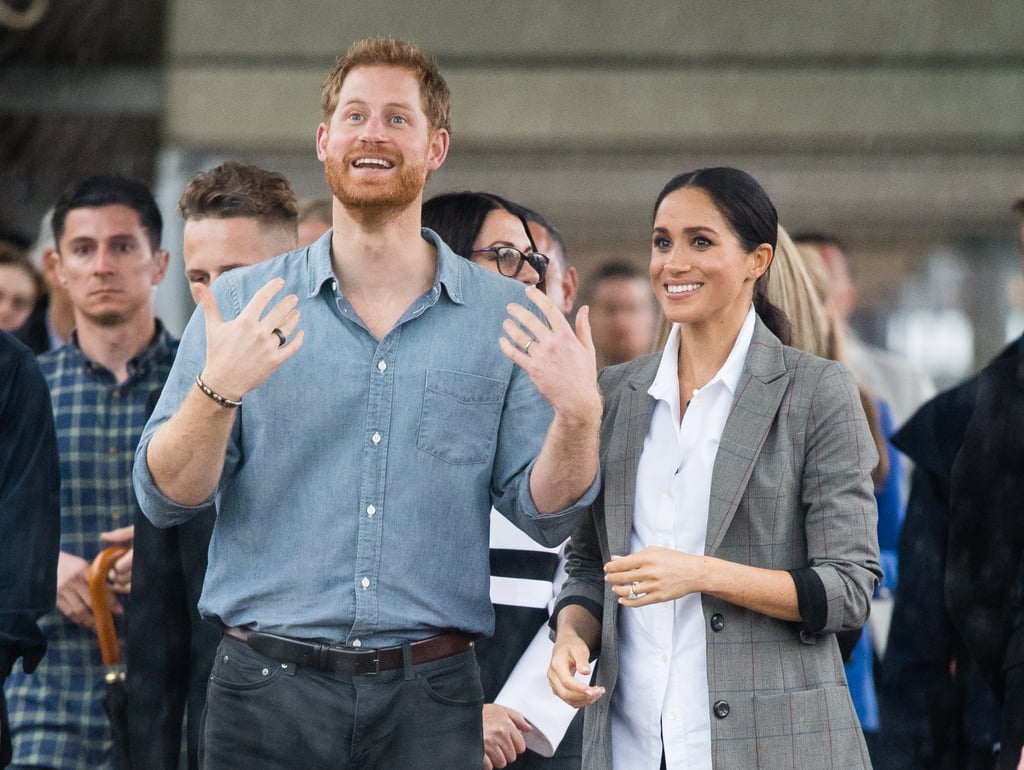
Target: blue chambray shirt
[355,500]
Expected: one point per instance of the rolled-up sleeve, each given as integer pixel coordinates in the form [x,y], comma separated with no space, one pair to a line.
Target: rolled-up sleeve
[838,493]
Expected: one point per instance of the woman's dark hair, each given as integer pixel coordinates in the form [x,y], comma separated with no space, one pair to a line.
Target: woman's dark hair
[752,217]
[457,217]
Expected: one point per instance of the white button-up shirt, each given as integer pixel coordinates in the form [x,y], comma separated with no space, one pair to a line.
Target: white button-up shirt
[662,694]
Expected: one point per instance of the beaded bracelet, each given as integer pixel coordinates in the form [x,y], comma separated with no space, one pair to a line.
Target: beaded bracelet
[217,396]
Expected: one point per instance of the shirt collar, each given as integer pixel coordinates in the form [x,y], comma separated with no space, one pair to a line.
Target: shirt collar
[665,386]
[450,266]
[160,347]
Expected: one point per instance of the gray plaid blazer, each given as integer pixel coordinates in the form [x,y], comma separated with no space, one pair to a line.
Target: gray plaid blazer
[791,488]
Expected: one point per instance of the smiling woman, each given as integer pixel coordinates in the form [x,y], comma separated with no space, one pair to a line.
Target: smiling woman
[737,506]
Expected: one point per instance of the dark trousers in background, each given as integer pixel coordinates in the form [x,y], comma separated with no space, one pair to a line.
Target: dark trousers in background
[262,714]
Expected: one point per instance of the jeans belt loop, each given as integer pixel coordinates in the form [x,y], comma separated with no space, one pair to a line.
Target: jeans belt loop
[322,656]
[407,664]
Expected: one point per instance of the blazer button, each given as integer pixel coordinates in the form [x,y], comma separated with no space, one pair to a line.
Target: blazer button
[721,709]
[717,622]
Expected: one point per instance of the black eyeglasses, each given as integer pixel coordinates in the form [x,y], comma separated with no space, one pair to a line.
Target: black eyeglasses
[510,260]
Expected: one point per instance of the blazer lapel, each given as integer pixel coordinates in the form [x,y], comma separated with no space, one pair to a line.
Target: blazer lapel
[632,421]
[761,388]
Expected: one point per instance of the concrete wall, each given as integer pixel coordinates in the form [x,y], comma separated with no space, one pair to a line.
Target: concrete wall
[898,116]
[900,126]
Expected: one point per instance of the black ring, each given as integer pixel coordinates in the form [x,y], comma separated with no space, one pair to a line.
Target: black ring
[280,336]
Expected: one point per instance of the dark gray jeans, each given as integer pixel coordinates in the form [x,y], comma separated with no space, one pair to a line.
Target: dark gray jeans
[261,714]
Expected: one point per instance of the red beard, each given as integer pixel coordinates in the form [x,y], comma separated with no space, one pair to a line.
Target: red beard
[396,192]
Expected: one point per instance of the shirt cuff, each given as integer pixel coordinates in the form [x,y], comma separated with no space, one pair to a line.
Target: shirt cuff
[811,599]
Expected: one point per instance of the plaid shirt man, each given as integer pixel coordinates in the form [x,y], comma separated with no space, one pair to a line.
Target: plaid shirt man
[56,714]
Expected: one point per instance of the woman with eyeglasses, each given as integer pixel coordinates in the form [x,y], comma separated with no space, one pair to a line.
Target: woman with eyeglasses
[735,533]
[490,231]
[524,722]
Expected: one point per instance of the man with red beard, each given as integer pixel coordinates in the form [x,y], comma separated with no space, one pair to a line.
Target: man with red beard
[393,394]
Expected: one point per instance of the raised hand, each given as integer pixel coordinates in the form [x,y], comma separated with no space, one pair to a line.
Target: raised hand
[243,352]
[559,359]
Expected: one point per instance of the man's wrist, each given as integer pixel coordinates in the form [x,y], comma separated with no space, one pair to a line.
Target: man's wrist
[222,400]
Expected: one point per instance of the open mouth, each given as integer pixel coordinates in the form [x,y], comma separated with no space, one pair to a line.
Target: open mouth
[382,163]
[682,288]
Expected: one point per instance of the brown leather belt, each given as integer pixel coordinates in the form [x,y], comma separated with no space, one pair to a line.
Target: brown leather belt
[350,660]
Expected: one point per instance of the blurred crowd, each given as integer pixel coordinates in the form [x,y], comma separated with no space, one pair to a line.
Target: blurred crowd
[881,519]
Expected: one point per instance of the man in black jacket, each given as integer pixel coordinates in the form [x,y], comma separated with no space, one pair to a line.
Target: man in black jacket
[985,558]
[29,515]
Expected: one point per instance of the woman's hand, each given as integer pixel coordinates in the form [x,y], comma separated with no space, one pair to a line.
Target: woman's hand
[654,575]
[660,575]
[578,633]
[571,656]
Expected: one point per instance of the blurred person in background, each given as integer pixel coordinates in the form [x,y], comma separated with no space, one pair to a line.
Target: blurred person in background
[952,678]
[314,219]
[20,288]
[887,375]
[984,583]
[53,317]
[235,215]
[561,282]
[525,724]
[623,313]
[108,231]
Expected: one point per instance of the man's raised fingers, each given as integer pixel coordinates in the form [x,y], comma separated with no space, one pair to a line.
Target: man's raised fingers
[209,305]
[544,304]
[258,304]
[583,328]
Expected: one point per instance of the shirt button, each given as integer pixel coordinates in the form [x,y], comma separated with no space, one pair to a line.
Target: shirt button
[334,285]
[365,582]
[375,438]
[382,365]
[717,622]
[370,510]
[721,709]
[357,643]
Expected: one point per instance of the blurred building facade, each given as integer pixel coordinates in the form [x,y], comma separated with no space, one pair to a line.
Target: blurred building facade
[899,127]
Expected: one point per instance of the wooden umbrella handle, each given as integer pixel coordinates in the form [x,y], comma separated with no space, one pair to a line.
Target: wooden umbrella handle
[98,571]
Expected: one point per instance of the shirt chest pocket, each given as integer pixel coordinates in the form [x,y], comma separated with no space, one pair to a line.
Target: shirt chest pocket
[460,416]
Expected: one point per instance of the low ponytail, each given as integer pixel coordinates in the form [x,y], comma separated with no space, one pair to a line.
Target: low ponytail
[772,315]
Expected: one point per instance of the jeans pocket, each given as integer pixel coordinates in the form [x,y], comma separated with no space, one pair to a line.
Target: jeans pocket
[460,416]
[457,684]
[239,667]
